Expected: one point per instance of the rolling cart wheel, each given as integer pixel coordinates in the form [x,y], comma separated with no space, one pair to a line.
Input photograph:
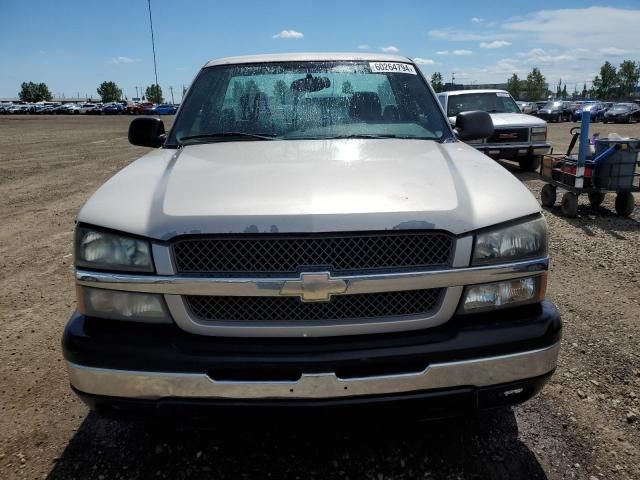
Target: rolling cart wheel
[624,204]
[548,195]
[596,199]
[569,204]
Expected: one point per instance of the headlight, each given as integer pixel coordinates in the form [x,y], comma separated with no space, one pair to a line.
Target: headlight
[510,293]
[539,134]
[110,251]
[118,305]
[515,242]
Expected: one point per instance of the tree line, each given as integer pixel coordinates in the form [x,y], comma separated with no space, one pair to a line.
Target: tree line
[611,84]
[108,91]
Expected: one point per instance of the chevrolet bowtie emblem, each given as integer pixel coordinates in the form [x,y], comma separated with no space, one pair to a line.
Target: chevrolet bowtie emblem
[314,287]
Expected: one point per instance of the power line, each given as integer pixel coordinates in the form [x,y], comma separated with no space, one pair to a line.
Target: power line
[153,42]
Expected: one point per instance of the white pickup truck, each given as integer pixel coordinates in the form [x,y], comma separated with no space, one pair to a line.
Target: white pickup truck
[311,233]
[517,136]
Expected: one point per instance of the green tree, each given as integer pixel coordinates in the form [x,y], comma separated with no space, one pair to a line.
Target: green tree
[109,91]
[605,85]
[564,92]
[280,91]
[347,88]
[154,93]
[34,92]
[514,86]
[628,77]
[536,85]
[585,92]
[436,82]
[559,89]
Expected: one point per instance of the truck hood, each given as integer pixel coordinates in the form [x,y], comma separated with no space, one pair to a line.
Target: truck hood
[508,120]
[308,186]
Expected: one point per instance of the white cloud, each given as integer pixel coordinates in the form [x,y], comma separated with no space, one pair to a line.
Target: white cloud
[463,35]
[495,44]
[615,52]
[442,52]
[363,46]
[477,20]
[390,49]
[539,56]
[124,60]
[580,27]
[288,34]
[461,52]
[423,61]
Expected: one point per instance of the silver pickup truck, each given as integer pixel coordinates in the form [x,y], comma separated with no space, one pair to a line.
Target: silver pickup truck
[311,233]
[517,136]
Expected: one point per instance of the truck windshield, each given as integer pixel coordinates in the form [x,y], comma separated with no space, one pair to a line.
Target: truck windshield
[308,100]
[492,102]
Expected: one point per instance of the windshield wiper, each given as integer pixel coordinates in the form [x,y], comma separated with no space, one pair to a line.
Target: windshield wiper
[340,137]
[227,136]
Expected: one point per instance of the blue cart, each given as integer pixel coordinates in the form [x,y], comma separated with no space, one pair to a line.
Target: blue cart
[611,168]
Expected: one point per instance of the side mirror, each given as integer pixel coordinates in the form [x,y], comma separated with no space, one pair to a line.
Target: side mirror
[473,125]
[147,132]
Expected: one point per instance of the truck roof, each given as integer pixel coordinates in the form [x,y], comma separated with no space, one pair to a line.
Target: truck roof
[459,92]
[308,57]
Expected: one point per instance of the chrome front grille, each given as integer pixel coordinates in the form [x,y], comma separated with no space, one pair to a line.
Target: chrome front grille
[290,254]
[509,135]
[290,309]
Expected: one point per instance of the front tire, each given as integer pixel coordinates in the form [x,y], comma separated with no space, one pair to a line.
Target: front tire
[530,163]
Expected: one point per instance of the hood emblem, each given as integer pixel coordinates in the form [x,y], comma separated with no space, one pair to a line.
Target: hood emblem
[314,287]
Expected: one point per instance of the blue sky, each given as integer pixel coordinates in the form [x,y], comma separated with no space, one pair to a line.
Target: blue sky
[74,45]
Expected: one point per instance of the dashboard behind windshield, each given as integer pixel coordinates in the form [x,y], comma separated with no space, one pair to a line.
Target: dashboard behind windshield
[492,102]
[309,100]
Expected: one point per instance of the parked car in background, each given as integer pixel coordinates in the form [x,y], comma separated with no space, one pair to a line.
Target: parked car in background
[540,104]
[516,136]
[528,107]
[608,105]
[97,110]
[556,111]
[164,109]
[114,108]
[73,109]
[595,109]
[139,108]
[18,109]
[623,112]
[87,107]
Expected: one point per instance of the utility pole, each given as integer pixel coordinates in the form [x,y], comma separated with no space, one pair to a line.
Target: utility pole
[453,79]
[171,90]
[137,93]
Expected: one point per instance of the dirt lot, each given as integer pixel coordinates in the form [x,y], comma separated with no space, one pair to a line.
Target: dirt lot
[584,424]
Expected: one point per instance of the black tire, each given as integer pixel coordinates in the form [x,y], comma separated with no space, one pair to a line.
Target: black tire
[596,199]
[548,195]
[569,205]
[530,163]
[624,204]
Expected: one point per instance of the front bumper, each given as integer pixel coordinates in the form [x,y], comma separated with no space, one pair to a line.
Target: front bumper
[114,365]
[512,150]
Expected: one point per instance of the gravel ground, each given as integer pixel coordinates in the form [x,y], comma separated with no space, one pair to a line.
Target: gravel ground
[583,425]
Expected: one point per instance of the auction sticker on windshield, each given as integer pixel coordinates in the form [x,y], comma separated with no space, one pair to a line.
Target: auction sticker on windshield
[391,67]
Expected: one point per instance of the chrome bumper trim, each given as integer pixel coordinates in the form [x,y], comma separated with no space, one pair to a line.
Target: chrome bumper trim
[251,287]
[480,372]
